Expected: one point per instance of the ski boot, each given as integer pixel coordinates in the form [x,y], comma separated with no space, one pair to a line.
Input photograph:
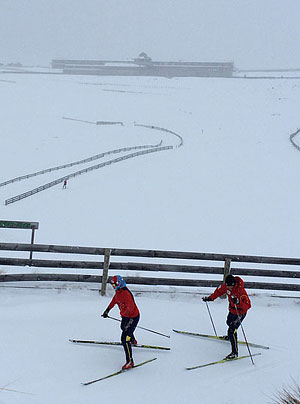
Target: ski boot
[231,356]
[128,365]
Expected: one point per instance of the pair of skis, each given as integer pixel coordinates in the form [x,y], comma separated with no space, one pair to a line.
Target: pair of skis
[220,338]
[78,341]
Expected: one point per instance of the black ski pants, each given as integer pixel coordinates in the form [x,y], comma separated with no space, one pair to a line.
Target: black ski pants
[234,321]
[128,325]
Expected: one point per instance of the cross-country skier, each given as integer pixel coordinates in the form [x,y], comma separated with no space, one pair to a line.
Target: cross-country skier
[129,313]
[239,304]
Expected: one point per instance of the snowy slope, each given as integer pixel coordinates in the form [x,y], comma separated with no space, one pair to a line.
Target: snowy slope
[231,188]
[37,357]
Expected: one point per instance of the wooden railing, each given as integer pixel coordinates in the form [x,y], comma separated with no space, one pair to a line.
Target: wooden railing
[78,162]
[157,261]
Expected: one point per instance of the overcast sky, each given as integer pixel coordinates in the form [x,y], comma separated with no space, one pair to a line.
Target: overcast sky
[252,33]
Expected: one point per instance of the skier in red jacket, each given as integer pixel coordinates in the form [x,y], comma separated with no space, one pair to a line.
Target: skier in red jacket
[239,304]
[129,313]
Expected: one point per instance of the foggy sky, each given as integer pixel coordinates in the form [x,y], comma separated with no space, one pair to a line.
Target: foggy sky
[252,33]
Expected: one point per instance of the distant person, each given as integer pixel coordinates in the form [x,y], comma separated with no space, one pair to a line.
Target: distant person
[129,313]
[65,184]
[239,304]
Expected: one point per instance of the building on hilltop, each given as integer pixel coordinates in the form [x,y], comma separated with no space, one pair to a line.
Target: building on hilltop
[144,66]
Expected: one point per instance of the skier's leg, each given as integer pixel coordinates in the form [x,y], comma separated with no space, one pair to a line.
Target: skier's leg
[232,332]
[126,338]
[233,322]
[132,328]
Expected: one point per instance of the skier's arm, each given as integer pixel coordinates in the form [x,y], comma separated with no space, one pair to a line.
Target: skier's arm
[109,307]
[218,292]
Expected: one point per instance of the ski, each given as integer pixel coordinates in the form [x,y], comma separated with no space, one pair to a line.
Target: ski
[78,341]
[118,372]
[221,361]
[219,338]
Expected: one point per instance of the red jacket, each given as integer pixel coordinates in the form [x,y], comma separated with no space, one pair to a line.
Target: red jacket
[238,292]
[124,299]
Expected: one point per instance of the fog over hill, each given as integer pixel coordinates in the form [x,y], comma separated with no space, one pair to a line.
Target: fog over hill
[254,34]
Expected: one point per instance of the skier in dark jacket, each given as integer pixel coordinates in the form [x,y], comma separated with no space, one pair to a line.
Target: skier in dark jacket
[129,313]
[239,304]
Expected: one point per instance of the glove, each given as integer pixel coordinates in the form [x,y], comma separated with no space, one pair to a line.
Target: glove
[105,313]
[235,300]
[206,299]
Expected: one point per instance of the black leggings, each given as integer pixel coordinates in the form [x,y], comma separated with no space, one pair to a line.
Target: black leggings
[233,321]
[128,325]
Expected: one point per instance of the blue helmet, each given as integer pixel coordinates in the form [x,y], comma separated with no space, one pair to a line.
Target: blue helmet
[117,282]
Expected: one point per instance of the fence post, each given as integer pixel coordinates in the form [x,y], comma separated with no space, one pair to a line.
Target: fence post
[226,272]
[32,242]
[107,252]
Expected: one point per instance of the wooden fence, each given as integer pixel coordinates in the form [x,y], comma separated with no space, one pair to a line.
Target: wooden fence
[82,161]
[157,262]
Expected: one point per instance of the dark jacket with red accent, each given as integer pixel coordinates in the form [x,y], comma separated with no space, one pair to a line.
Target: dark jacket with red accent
[125,301]
[243,302]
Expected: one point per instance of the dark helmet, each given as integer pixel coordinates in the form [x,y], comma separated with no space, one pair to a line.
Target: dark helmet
[229,280]
[117,282]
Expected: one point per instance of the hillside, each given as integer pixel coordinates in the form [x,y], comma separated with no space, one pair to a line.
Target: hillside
[231,187]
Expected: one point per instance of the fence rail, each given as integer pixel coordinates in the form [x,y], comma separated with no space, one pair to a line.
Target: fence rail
[189,255]
[107,264]
[78,162]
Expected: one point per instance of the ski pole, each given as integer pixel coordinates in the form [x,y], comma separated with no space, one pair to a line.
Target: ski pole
[244,334]
[146,329]
[211,319]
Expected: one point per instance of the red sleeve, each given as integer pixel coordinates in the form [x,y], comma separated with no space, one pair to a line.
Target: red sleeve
[112,303]
[218,292]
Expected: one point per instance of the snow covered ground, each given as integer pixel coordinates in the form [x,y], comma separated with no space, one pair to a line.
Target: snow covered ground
[232,187]
[38,359]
